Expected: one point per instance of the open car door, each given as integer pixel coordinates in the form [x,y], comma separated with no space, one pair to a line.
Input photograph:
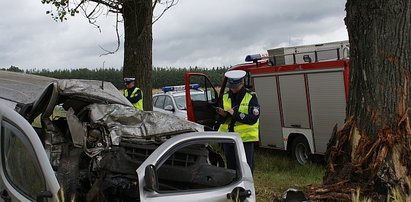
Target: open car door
[201,108]
[201,176]
[25,171]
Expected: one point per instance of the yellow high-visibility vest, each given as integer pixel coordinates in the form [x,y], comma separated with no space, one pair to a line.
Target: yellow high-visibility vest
[248,133]
[139,104]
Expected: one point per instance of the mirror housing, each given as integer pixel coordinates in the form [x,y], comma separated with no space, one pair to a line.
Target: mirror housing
[150,179]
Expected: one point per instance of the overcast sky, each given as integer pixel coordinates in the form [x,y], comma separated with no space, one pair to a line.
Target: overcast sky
[206,33]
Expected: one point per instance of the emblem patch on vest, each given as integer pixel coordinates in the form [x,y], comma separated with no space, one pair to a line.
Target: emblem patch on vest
[256,111]
[242,115]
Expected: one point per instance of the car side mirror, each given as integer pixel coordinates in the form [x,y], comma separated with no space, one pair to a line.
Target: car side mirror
[150,178]
[169,108]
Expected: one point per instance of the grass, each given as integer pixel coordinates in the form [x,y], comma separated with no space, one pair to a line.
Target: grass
[394,195]
[356,197]
[275,172]
[58,112]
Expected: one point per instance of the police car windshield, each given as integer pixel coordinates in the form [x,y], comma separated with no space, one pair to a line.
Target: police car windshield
[181,99]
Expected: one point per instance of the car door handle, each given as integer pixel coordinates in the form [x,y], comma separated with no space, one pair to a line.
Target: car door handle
[5,196]
[239,194]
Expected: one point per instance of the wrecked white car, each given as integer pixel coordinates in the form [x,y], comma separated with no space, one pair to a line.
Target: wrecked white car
[98,147]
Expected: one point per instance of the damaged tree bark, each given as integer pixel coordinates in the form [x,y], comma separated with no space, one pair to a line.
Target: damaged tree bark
[372,151]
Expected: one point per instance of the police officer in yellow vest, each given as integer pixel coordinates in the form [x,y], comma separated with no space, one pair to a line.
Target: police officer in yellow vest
[133,94]
[240,113]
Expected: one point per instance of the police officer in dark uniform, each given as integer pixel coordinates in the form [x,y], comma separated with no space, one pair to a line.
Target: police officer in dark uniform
[240,113]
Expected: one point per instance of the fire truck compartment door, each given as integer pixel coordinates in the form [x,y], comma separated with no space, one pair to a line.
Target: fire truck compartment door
[294,101]
[327,98]
[270,122]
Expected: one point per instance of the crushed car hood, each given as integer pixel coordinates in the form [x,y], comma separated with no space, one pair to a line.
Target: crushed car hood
[92,90]
[76,94]
[133,125]
[104,103]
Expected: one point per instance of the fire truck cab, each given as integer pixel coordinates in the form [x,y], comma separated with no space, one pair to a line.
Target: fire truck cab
[302,92]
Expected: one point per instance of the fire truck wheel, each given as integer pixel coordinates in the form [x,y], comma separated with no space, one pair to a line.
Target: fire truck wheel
[301,150]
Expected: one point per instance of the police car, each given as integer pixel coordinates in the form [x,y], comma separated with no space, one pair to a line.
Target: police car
[173,99]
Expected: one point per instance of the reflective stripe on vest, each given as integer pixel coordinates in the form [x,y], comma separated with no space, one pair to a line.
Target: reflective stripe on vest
[248,133]
[138,104]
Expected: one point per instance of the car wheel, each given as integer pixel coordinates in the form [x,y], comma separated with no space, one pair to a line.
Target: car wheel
[301,150]
[68,176]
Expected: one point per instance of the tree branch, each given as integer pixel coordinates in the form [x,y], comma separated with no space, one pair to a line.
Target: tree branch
[118,41]
[111,4]
[79,4]
[91,20]
[168,3]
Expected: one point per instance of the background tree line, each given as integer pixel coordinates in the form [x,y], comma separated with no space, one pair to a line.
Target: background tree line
[161,76]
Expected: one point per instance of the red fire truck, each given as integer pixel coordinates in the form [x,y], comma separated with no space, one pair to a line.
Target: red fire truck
[302,92]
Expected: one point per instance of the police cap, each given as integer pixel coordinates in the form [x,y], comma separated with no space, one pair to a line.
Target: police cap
[128,80]
[234,78]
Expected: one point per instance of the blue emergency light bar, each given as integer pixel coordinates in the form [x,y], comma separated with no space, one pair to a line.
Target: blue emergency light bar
[181,87]
[255,57]
[250,58]
[195,86]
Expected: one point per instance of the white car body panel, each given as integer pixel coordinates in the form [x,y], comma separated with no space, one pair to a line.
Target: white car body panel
[181,113]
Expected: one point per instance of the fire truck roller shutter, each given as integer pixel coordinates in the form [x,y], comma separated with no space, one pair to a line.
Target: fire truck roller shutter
[270,122]
[327,98]
[294,101]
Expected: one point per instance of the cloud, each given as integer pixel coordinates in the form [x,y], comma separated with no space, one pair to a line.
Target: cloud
[222,33]
[193,33]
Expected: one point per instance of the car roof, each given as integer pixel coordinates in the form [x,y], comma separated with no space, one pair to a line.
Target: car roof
[25,88]
[179,93]
[21,87]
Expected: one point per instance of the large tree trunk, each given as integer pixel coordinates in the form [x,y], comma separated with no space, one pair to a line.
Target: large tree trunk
[137,15]
[372,151]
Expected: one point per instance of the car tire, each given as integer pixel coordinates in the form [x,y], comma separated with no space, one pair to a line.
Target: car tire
[68,176]
[301,150]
